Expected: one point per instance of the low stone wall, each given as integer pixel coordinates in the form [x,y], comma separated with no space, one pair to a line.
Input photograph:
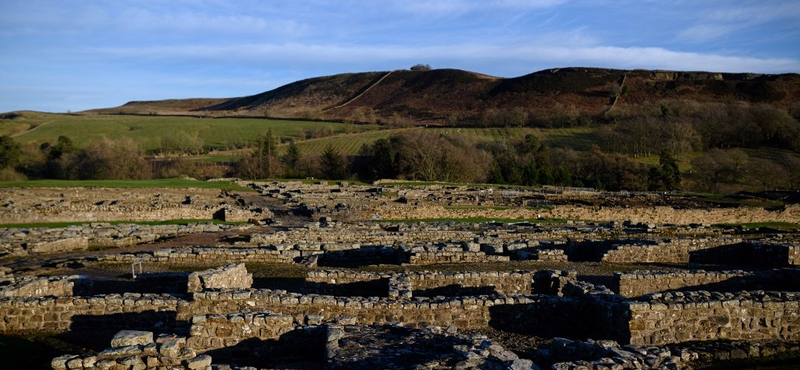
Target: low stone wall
[127,311]
[209,332]
[56,286]
[428,283]
[166,352]
[673,251]
[794,255]
[432,258]
[20,242]
[465,312]
[661,319]
[639,283]
[504,283]
[200,255]
[750,253]
[41,205]
[702,316]
[657,215]
[231,276]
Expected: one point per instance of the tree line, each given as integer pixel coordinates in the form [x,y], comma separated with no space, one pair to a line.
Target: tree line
[419,155]
[721,147]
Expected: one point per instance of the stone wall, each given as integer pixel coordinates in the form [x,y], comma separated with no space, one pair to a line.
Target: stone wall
[126,311]
[750,253]
[165,352]
[463,312]
[649,214]
[209,332]
[41,205]
[703,316]
[22,241]
[672,251]
[505,283]
[199,255]
[660,319]
[56,286]
[437,257]
[427,283]
[639,283]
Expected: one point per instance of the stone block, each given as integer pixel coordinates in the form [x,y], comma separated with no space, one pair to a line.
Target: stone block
[132,338]
[199,362]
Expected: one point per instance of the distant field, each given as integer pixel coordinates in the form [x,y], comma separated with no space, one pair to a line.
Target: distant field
[226,133]
[577,138]
[148,130]
[348,144]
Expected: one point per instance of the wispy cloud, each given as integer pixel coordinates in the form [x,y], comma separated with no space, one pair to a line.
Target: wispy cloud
[82,54]
[723,19]
[555,53]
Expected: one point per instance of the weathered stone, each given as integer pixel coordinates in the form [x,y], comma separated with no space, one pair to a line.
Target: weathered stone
[199,362]
[131,338]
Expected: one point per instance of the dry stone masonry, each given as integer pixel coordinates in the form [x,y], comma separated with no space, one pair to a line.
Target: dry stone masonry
[381,293]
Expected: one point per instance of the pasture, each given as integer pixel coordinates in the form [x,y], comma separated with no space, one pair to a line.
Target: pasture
[148,131]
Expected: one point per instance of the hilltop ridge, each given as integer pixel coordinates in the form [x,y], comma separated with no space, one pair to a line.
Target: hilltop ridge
[446,95]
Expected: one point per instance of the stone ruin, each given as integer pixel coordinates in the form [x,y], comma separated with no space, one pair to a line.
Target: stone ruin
[413,295]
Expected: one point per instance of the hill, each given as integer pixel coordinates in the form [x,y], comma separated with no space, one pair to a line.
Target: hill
[456,97]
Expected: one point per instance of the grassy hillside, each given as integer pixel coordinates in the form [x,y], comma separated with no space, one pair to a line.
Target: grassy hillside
[148,131]
[440,95]
[579,138]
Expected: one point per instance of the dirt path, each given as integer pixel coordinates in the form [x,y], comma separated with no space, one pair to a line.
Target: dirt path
[359,94]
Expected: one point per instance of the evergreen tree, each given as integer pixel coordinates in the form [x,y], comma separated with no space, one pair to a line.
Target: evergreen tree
[333,164]
[264,155]
[665,176]
[291,159]
[10,152]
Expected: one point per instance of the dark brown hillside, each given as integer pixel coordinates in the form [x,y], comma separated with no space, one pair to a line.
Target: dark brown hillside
[164,107]
[438,96]
[301,97]
[649,86]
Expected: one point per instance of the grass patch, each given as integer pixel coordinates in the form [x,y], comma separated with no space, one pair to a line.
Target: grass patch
[147,131]
[155,183]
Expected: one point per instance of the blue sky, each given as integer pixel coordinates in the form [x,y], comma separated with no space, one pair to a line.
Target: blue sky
[67,55]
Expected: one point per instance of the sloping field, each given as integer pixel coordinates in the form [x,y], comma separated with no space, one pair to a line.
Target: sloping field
[349,144]
[148,131]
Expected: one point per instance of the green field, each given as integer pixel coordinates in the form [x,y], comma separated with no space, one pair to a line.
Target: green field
[228,133]
[147,131]
[157,183]
[349,144]
[346,144]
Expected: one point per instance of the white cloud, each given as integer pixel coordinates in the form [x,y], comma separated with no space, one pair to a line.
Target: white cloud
[724,19]
[706,32]
[555,53]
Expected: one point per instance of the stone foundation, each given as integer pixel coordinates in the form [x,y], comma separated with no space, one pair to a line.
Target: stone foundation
[639,283]
[209,332]
[703,316]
